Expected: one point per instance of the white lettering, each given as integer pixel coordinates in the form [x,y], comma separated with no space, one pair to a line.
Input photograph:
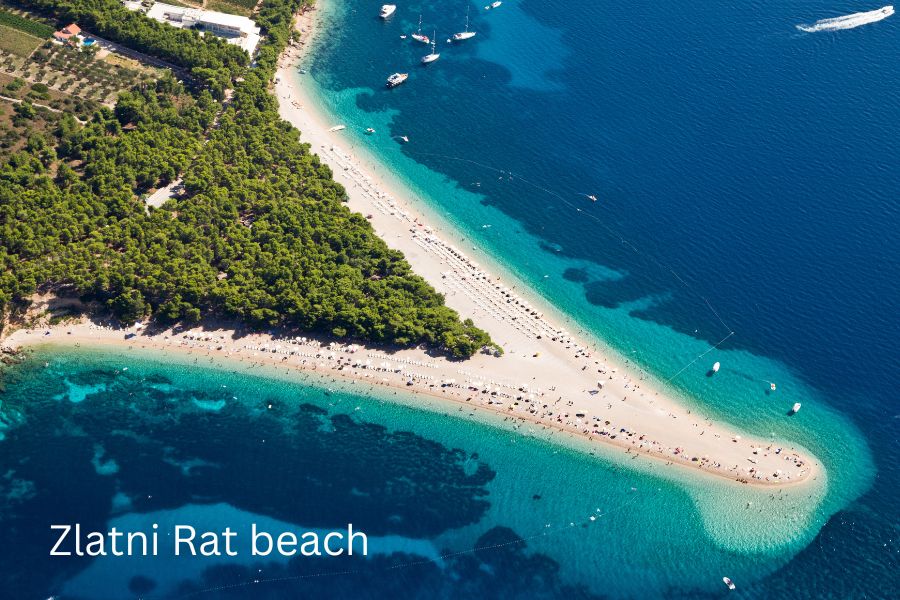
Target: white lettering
[256,536]
[189,540]
[65,531]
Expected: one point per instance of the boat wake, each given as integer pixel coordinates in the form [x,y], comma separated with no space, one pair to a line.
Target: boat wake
[849,21]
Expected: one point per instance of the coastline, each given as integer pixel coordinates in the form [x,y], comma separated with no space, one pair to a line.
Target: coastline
[417,374]
[583,389]
[403,224]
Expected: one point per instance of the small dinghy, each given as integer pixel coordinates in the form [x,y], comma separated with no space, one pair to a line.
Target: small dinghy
[795,408]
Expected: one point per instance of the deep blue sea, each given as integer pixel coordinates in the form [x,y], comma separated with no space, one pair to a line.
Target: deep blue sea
[747,178]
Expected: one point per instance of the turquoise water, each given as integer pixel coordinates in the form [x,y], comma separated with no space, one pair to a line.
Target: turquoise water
[746,176]
[111,439]
[746,181]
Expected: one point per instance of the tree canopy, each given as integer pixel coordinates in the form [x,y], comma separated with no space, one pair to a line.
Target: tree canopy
[260,234]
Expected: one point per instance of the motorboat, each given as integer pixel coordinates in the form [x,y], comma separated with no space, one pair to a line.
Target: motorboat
[796,408]
[716,366]
[728,582]
[387,10]
[396,79]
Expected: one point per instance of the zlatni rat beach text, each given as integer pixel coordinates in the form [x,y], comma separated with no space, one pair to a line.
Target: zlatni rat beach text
[186,540]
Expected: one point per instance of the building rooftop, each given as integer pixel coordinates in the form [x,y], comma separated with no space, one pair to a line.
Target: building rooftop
[180,16]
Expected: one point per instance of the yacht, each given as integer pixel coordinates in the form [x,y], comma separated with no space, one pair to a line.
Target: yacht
[387,10]
[430,58]
[419,36]
[464,35]
[396,79]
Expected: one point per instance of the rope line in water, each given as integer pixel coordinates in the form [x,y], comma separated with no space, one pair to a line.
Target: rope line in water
[612,233]
[545,533]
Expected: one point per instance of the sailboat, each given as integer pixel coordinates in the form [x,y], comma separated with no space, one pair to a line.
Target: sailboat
[464,35]
[418,36]
[430,58]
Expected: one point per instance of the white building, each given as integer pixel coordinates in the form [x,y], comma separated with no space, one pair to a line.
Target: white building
[237,30]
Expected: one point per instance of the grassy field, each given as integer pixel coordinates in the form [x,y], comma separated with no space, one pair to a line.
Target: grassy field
[25,25]
[17,42]
[234,7]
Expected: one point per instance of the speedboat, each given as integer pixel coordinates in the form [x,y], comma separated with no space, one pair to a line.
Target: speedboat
[369,131]
[387,10]
[796,408]
[728,582]
[464,35]
[396,79]
[430,58]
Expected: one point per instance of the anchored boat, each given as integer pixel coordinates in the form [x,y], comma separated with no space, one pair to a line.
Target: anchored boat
[387,10]
[464,35]
[396,79]
[418,35]
[430,58]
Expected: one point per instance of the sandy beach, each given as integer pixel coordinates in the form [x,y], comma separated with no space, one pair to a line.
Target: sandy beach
[546,379]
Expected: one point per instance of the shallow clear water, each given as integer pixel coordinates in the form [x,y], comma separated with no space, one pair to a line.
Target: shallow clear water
[737,162]
[746,176]
[113,439]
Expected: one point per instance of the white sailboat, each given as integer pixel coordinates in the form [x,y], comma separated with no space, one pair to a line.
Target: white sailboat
[418,35]
[464,35]
[430,58]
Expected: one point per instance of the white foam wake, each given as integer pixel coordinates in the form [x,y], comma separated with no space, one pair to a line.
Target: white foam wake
[849,21]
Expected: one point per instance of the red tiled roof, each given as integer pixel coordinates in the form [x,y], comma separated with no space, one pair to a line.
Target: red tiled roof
[67,32]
